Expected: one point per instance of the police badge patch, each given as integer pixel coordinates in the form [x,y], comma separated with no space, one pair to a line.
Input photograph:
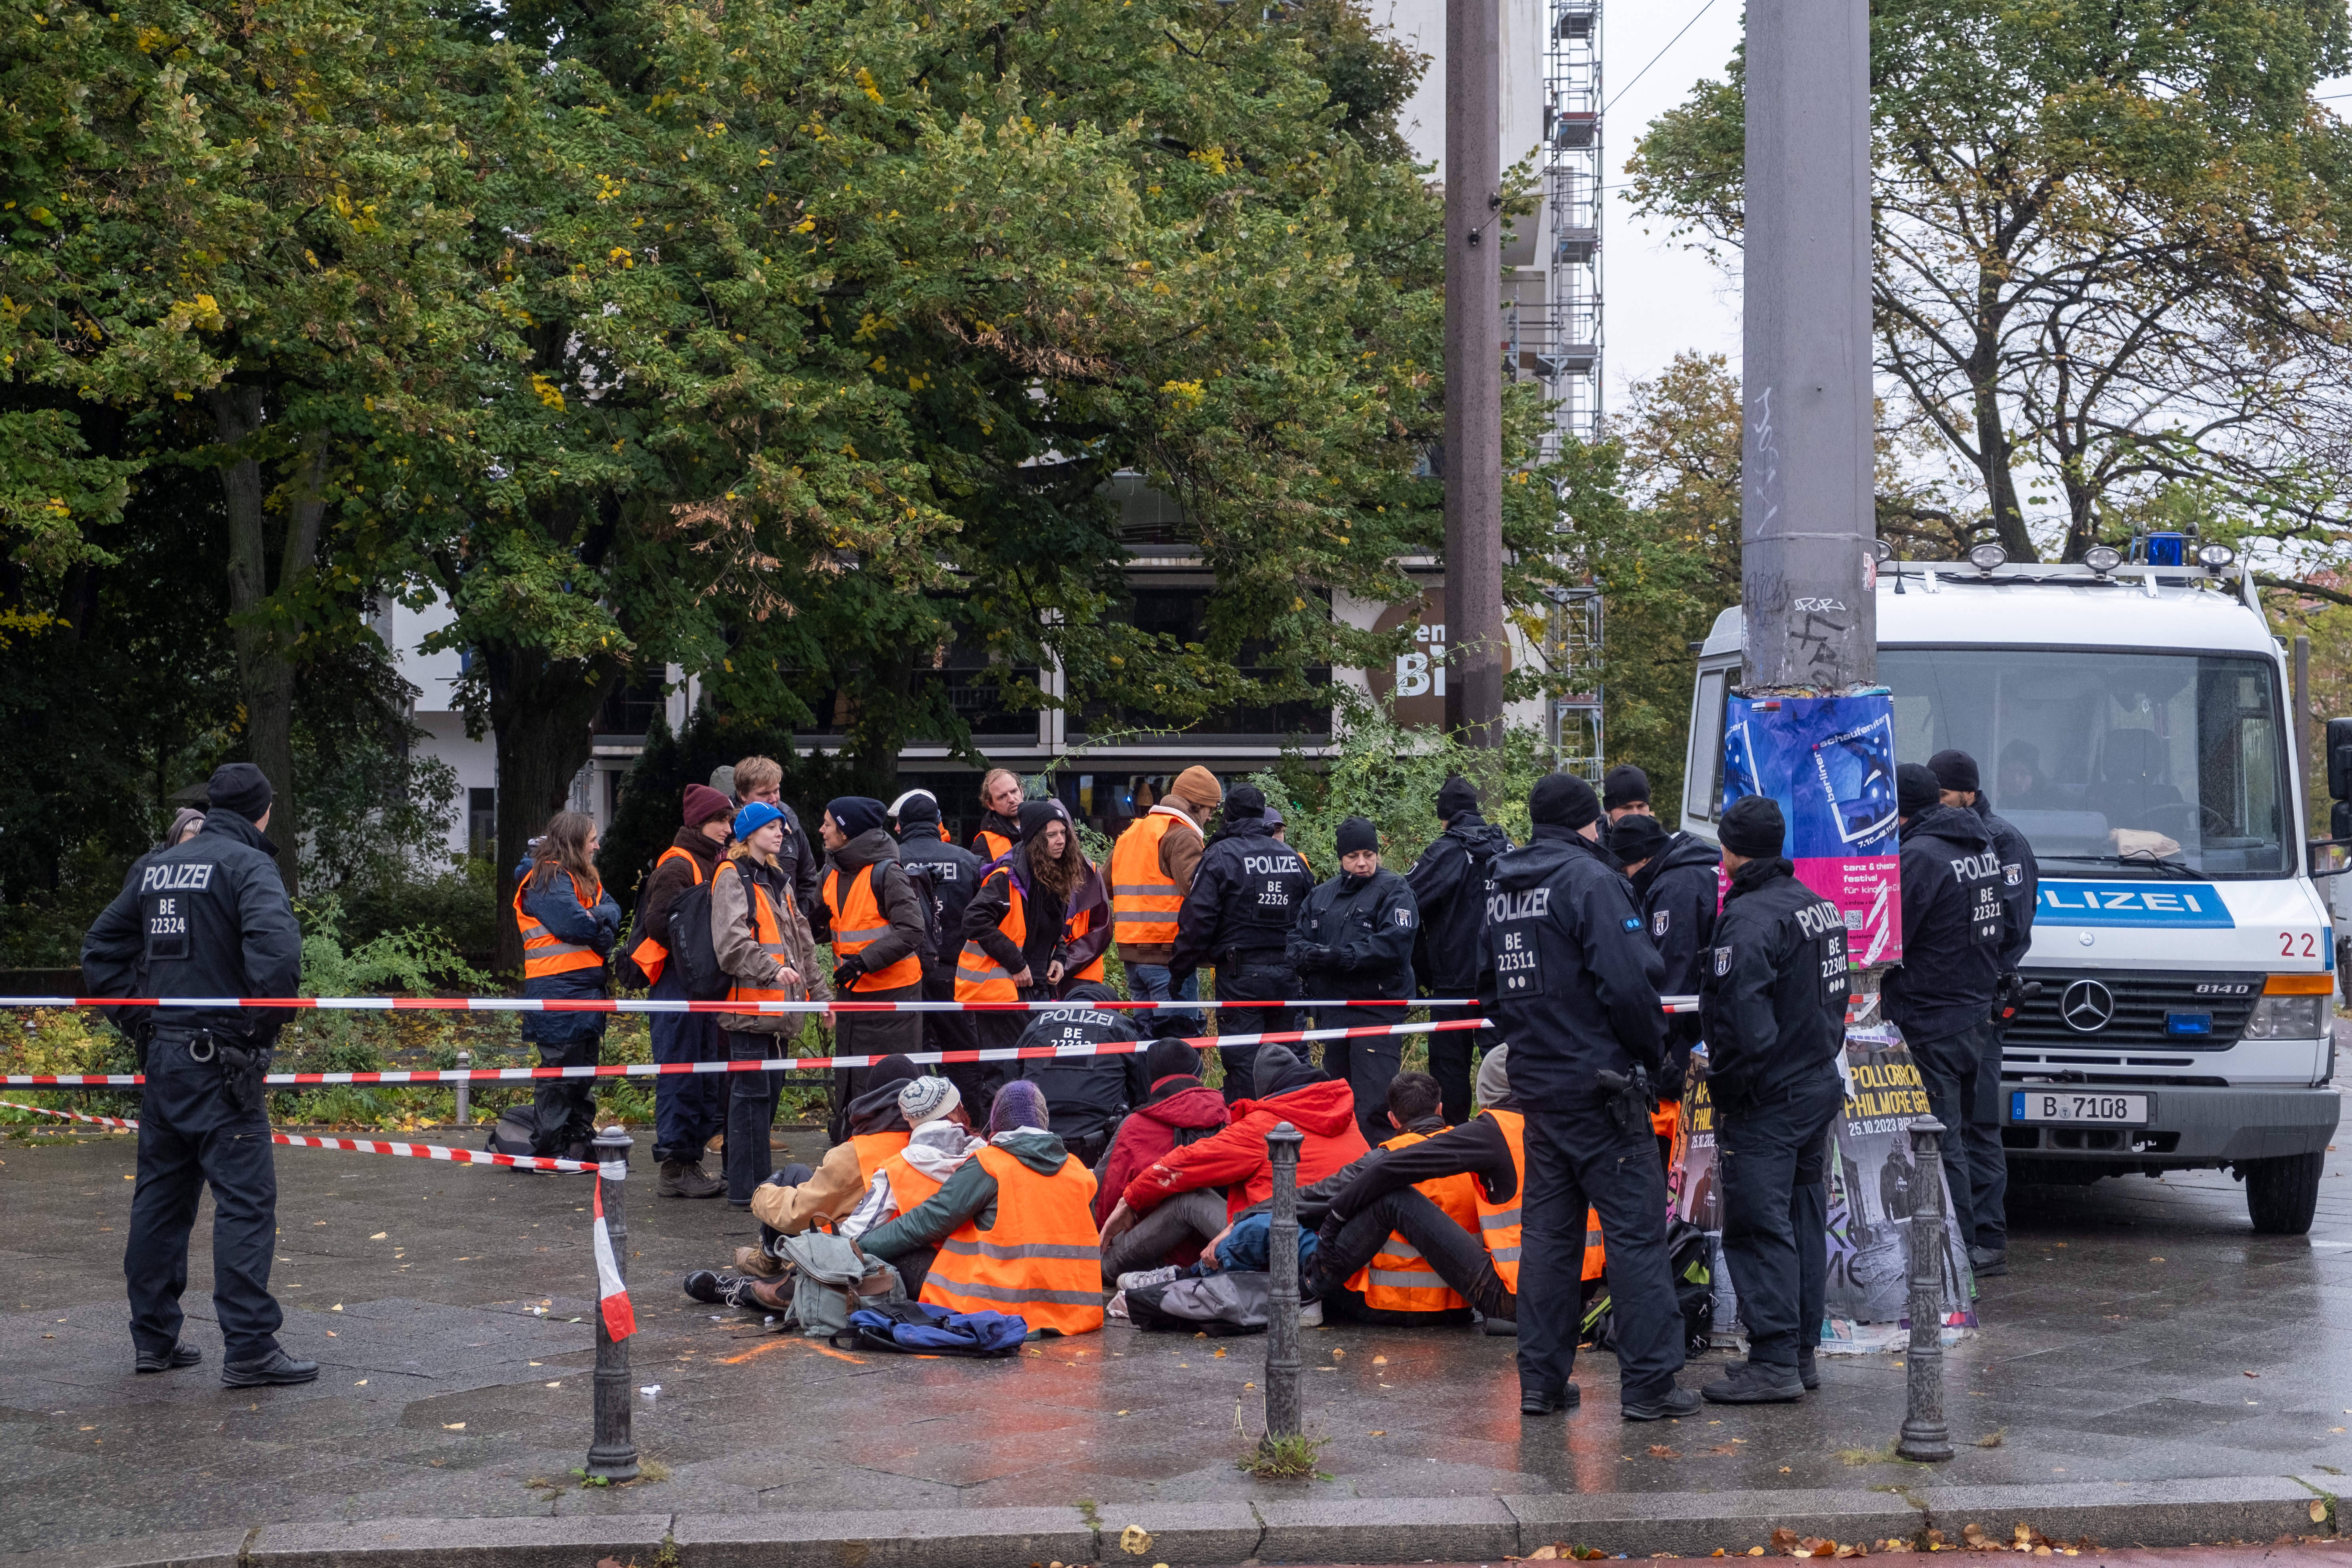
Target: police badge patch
[1722,960]
[1658,923]
[2014,874]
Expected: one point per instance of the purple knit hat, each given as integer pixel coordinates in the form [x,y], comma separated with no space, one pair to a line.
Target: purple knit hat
[1019,1104]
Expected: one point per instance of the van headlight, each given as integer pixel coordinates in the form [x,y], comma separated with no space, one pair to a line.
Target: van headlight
[2290,1018]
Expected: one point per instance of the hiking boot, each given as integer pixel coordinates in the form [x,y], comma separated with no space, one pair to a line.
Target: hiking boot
[1536,1402]
[1806,1372]
[1988,1264]
[759,1261]
[165,1360]
[680,1180]
[1144,1278]
[1672,1402]
[1755,1383]
[276,1367]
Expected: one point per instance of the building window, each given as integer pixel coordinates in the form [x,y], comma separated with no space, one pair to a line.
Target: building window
[482,823]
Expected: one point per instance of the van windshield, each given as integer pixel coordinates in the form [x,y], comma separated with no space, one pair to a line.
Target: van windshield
[2112,765]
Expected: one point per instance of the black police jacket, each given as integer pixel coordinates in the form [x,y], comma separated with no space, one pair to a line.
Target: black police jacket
[1245,893]
[954,871]
[1952,925]
[206,917]
[2021,886]
[1353,939]
[1085,1096]
[1677,889]
[1450,882]
[1773,996]
[1570,976]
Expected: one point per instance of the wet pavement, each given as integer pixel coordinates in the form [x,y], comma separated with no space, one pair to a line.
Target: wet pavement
[2145,1333]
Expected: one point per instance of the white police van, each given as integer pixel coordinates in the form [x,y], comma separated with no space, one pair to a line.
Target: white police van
[2129,717]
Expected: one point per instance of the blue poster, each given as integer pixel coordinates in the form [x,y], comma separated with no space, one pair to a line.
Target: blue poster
[1829,764]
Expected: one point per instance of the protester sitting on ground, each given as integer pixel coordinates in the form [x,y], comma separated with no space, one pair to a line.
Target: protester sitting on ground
[795,1197]
[1090,1093]
[1178,1197]
[1177,1109]
[942,1141]
[1400,1285]
[1012,1231]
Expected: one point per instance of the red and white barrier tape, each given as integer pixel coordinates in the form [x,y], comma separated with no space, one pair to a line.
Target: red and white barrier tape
[767,1064]
[647,1004]
[353,1145]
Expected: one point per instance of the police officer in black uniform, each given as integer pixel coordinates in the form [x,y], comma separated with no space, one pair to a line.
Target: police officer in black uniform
[1773,1004]
[2021,891]
[1572,984]
[951,872]
[206,917]
[1353,941]
[1237,917]
[1085,1096]
[1941,996]
[1450,883]
[1676,878]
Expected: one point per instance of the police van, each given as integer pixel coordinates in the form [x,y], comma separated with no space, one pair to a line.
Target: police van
[2128,715]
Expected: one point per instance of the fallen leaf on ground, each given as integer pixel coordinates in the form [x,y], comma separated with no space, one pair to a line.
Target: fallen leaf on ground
[1380,1360]
[1544,1555]
[379,1236]
[1660,1451]
[453,1426]
[1784,1539]
[1719,1449]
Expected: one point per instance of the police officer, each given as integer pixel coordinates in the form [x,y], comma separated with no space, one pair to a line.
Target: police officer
[1941,996]
[1353,940]
[1773,999]
[1090,1090]
[951,872]
[208,917]
[1624,791]
[1676,878]
[1245,892]
[1449,884]
[2021,891]
[1572,984]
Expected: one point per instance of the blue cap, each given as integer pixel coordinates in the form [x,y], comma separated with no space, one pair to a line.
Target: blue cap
[756,815]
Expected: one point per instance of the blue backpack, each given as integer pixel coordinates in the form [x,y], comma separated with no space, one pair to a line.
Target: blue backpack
[917,1328]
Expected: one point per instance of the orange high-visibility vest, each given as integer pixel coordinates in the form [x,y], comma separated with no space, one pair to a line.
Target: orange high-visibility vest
[857,923]
[1143,898]
[1499,1223]
[990,845]
[1399,1278]
[1077,926]
[909,1186]
[543,955]
[874,1150]
[651,955]
[767,927]
[1662,1120]
[1044,1260]
[980,978]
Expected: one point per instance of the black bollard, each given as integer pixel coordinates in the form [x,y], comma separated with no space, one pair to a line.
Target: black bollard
[1283,1416]
[612,1457]
[1924,1435]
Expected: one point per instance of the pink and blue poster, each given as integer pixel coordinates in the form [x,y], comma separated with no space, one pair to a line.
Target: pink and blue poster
[1829,764]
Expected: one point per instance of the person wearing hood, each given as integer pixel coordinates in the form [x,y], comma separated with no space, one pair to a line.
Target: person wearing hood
[1353,941]
[206,917]
[2020,893]
[1572,984]
[1013,1228]
[570,925]
[1093,1086]
[1449,885]
[1941,995]
[1195,1190]
[1674,879]
[763,945]
[1237,917]
[796,1197]
[878,933]
[1151,868]
[1774,1009]
[689,1108]
[940,1141]
[953,873]
[1015,946]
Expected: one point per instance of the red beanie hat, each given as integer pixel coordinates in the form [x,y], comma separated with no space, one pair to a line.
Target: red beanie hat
[703,803]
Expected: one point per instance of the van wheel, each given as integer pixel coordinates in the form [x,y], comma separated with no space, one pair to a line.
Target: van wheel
[2282,1193]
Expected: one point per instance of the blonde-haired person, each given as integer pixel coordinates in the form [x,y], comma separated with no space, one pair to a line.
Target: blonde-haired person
[762,941]
[1000,822]
[761,779]
[569,923]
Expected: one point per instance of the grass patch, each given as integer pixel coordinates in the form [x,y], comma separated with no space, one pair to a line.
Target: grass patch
[1860,1456]
[1287,1458]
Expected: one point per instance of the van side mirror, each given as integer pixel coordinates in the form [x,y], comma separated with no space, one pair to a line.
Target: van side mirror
[2339,758]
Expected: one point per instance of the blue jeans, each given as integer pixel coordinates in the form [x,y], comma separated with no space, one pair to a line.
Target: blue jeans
[1148,983]
[689,1108]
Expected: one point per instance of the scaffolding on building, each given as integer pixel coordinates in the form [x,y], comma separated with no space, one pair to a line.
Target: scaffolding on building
[1572,649]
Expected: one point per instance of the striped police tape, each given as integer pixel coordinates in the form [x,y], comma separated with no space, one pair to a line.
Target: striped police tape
[353,1145]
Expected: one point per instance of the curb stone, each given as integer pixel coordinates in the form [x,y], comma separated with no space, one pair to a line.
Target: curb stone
[1181,1534]
[530,1540]
[1400,1530]
[916,1538]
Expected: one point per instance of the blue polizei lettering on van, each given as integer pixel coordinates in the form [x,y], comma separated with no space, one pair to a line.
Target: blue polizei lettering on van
[2196,905]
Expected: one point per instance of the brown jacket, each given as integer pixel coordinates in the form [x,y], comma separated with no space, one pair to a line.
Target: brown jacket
[825,1197]
[1180,857]
[741,955]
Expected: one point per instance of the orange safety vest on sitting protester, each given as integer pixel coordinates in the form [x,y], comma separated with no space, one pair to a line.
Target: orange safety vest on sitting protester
[874,1150]
[544,953]
[1399,1278]
[768,928]
[651,955]
[1499,1223]
[1042,1262]
[857,923]
[1144,899]
[980,978]
[909,1186]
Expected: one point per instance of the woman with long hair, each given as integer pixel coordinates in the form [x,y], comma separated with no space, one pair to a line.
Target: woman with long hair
[1015,935]
[762,941]
[568,924]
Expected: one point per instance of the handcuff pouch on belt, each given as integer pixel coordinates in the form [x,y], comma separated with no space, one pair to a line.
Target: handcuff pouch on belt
[1631,1099]
[241,1067]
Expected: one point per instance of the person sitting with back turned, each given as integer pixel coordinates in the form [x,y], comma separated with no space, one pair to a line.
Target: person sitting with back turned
[795,1197]
[1176,1110]
[1093,1088]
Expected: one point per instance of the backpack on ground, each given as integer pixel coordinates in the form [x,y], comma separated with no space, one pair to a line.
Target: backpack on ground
[830,1279]
[514,1130]
[1221,1306]
[692,953]
[917,1328]
[1687,1260]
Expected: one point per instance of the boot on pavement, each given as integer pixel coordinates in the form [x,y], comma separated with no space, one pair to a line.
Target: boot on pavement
[681,1180]
[1806,1371]
[759,1261]
[275,1368]
[1755,1383]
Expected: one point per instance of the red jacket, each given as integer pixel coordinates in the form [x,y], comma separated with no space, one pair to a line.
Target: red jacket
[1236,1158]
[1149,1133]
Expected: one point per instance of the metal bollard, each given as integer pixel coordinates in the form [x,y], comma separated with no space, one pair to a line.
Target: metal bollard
[465,1090]
[1924,1435]
[1283,1416]
[612,1457]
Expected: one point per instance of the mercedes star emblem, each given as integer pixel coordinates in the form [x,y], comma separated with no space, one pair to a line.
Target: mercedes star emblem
[2087,1007]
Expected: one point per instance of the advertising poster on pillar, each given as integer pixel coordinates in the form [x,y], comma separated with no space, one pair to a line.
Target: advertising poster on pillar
[1875,1191]
[1829,764]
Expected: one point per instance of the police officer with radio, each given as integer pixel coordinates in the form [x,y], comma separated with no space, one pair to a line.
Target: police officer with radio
[1941,995]
[1246,889]
[2021,891]
[1571,982]
[1772,999]
[208,917]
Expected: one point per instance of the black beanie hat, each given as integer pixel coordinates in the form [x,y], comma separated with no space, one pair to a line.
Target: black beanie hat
[1170,1058]
[1753,827]
[1355,834]
[242,788]
[1954,770]
[1624,784]
[1454,797]
[1036,814]
[856,814]
[1243,802]
[1915,788]
[1637,838]
[1562,800]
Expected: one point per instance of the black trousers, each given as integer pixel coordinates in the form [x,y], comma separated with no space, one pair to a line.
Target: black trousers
[1775,1158]
[1577,1158]
[1459,1257]
[689,1108]
[190,1135]
[1449,1063]
[979,1081]
[1952,1068]
[751,1114]
[870,1034]
[567,1106]
[1252,983]
[1988,1159]
[1367,1065]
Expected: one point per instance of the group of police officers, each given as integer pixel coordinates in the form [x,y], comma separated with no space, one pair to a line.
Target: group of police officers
[1570,942]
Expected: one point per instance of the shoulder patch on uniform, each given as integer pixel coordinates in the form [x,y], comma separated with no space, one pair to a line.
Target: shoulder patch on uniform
[1658,923]
[1722,960]
[2014,874]
[1632,922]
